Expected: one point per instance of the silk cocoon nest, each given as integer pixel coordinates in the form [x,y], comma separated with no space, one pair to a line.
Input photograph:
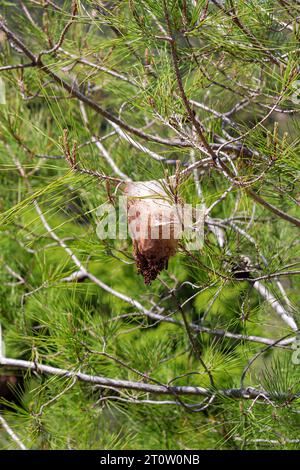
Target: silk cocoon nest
[154,225]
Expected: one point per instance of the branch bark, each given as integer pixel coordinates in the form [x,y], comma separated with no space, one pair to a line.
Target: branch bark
[105,382]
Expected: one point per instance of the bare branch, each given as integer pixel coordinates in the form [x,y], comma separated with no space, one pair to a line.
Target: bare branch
[234,393]
[11,433]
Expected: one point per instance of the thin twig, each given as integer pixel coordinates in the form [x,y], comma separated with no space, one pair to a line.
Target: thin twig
[11,433]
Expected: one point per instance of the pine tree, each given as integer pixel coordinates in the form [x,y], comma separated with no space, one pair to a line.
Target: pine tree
[202,97]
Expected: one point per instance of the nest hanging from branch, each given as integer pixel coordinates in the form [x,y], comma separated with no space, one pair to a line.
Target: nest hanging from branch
[153,225]
[154,220]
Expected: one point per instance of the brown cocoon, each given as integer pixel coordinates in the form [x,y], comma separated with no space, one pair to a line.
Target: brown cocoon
[153,225]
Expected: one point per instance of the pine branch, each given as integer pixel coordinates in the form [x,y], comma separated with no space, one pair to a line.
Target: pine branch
[234,393]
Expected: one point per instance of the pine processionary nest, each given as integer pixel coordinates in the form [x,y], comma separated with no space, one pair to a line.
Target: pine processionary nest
[152,224]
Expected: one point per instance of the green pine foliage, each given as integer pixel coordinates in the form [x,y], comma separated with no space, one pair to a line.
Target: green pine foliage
[238,63]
